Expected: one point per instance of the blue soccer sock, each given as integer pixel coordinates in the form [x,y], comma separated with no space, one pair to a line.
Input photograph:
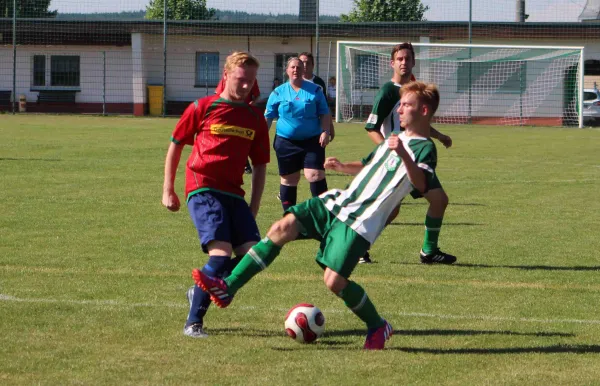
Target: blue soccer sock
[318,187]
[288,196]
[216,266]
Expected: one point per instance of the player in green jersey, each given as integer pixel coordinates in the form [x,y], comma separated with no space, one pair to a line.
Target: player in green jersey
[383,121]
[346,222]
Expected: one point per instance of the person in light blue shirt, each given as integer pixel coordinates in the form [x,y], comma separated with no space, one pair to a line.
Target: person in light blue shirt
[302,133]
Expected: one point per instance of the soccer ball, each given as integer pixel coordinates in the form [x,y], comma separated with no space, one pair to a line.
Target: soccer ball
[304,323]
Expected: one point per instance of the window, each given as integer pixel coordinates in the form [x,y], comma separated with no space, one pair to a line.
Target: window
[280,63]
[502,77]
[39,70]
[367,71]
[208,72]
[64,71]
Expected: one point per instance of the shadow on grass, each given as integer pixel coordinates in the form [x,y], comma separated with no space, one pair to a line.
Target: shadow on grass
[30,159]
[532,267]
[424,202]
[439,332]
[420,224]
[559,348]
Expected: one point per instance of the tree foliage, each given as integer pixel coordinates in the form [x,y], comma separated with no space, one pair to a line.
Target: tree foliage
[386,10]
[180,10]
[27,9]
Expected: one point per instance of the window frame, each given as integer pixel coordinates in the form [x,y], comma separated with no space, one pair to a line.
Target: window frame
[208,82]
[364,80]
[48,74]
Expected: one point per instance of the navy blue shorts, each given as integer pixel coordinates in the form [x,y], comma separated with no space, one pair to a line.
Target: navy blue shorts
[294,155]
[221,217]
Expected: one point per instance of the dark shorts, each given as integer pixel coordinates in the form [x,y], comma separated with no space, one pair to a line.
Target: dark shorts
[295,155]
[221,217]
[434,183]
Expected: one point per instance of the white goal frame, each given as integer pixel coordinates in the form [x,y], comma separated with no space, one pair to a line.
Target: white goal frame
[341,45]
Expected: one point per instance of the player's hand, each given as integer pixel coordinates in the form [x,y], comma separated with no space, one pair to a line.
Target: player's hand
[170,200]
[395,143]
[324,139]
[445,140]
[332,163]
[331,132]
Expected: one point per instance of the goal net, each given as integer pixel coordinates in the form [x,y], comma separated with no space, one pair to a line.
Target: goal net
[504,85]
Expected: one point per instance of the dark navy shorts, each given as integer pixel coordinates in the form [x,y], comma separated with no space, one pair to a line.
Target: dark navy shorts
[221,217]
[294,155]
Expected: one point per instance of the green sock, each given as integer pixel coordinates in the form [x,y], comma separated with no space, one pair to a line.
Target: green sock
[258,258]
[357,301]
[432,233]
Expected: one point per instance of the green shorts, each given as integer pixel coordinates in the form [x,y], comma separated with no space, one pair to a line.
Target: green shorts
[341,246]
[432,183]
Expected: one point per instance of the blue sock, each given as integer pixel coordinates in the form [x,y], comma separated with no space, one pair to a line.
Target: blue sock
[288,195]
[216,266]
[318,187]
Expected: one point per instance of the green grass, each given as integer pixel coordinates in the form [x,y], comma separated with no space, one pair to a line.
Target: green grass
[93,271]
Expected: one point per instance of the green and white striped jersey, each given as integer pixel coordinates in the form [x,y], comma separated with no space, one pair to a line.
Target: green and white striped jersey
[380,186]
[384,116]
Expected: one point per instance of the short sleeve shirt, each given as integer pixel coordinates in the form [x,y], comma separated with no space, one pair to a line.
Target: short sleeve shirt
[298,112]
[223,134]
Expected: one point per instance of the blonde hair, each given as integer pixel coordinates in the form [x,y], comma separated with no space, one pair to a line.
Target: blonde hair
[427,93]
[238,59]
[291,59]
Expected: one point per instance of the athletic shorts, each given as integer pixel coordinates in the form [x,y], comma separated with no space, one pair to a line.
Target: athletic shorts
[295,155]
[434,183]
[222,217]
[341,246]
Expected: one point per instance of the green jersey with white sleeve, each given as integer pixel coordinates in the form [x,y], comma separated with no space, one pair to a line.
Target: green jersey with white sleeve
[384,116]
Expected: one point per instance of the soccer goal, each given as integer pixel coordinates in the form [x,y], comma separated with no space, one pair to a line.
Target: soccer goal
[487,84]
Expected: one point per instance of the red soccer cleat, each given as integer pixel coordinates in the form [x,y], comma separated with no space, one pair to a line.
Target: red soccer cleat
[376,337]
[215,287]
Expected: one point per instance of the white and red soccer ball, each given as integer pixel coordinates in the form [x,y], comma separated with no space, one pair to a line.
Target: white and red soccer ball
[304,323]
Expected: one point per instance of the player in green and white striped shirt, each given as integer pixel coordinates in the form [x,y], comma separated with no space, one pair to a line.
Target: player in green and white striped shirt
[347,222]
[383,121]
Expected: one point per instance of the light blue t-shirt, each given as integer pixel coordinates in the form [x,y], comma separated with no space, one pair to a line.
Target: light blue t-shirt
[297,112]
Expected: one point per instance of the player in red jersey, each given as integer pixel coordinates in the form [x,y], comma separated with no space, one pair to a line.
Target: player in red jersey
[250,98]
[224,131]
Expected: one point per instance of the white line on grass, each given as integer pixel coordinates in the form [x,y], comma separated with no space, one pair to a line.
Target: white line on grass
[117,304]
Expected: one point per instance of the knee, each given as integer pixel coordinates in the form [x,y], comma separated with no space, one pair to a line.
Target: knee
[334,282]
[314,175]
[282,229]
[438,199]
[290,179]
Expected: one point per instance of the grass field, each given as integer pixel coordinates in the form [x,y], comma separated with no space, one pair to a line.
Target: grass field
[93,271]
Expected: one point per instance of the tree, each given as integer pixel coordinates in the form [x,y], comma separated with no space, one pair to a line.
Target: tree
[27,9]
[180,10]
[386,10]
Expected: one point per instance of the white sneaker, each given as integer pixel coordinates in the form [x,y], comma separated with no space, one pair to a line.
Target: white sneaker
[195,331]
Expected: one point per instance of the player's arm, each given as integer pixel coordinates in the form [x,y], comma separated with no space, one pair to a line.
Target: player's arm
[382,107]
[351,168]
[169,198]
[415,174]
[444,139]
[324,117]
[259,176]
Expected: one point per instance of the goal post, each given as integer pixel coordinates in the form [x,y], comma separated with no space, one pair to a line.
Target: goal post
[485,84]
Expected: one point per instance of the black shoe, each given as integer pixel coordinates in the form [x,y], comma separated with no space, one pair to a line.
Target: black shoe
[437,257]
[366,259]
[248,170]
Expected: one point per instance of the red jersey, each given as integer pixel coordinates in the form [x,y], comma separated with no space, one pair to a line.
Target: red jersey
[254,92]
[223,134]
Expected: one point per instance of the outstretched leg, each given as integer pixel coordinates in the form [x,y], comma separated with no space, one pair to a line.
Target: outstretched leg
[259,257]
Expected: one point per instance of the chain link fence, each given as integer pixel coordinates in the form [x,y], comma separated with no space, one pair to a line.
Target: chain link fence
[143,57]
